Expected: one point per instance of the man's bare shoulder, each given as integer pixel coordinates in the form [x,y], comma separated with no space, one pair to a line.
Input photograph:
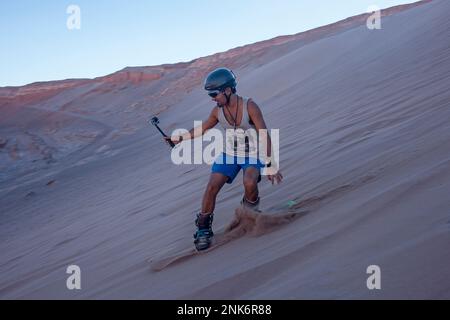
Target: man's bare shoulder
[252,106]
[213,118]
[215,112]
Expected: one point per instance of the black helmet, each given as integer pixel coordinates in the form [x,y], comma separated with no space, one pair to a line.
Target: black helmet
[220,79]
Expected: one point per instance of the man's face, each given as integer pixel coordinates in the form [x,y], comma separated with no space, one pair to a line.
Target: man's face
[220,99]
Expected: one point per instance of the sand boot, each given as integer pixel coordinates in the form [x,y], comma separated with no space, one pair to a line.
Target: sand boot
[204,234]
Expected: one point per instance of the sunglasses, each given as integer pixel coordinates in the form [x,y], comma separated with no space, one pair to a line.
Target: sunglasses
[214,93]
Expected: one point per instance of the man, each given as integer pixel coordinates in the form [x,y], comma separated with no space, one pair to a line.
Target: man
[237,114]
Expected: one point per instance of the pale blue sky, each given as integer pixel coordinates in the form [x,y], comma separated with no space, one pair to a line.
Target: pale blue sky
[37,46]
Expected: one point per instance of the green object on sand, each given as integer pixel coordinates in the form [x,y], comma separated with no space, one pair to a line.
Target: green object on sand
[291,203]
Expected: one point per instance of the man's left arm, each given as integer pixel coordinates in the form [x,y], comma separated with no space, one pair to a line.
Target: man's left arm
[256,116]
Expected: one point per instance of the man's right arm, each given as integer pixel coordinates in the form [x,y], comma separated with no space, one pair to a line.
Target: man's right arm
[210,123]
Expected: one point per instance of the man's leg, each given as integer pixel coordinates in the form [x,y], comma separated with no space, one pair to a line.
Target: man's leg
[216,182]
[251,176]
[251,179]
[202,238]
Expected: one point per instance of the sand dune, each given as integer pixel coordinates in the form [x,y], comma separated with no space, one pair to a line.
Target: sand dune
[365,151]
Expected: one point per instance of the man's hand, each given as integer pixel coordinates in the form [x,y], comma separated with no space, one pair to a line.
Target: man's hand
[275,177]
[175,139]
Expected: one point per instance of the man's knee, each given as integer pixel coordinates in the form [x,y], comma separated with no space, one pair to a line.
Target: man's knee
[212,188]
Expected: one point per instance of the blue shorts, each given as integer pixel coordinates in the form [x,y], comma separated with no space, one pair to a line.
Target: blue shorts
[230,166]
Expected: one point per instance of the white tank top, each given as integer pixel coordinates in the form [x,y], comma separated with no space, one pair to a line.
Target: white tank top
[242,142]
